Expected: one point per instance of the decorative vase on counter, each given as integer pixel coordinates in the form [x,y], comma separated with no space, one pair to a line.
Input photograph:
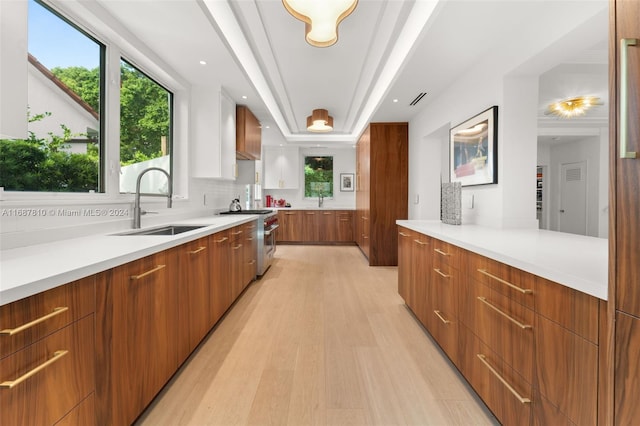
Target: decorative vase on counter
[451,203]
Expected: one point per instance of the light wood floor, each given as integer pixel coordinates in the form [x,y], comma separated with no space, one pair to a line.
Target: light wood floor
[321,339]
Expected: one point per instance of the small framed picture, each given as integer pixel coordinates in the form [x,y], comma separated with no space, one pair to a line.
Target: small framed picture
[346,182]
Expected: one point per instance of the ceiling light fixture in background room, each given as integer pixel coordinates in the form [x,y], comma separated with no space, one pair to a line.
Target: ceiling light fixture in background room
[320,121]
[321,18]
[573,107]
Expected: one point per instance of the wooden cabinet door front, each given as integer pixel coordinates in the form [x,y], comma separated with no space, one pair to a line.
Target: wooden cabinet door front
[193,295]
[326,226]
[220,269]
[136,345]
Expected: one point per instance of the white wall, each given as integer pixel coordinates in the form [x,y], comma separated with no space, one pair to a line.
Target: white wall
[498,79]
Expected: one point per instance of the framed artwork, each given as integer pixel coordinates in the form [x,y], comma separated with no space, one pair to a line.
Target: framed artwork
[346,182]
[473,150]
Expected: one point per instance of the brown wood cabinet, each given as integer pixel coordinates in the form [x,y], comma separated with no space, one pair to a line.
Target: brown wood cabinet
[528,346]
[310,225]
[136,335]
[236,261]
[344,226]
[316,226]
[381,190]
[193,297]
[248,134]
[250,255]
[47,369]
[624,227]
[220,270]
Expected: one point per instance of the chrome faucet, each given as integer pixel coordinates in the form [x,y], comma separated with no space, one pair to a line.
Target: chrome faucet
[320,200]
[137,211]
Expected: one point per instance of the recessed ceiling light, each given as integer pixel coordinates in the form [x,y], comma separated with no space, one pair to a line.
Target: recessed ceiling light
[203,62]
[395,101]
[244,96]
[267,127]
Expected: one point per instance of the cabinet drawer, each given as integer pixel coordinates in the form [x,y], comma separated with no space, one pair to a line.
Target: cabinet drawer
[445,254]
[507,394]
[573,310]
[505,279]
[63,364]
[84,414]
[567,371]
[46,312]
[502,324]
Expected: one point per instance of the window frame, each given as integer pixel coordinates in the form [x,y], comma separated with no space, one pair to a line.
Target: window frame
[304,176]
[93,24]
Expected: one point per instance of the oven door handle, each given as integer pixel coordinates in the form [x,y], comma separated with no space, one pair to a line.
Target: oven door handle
[271,229]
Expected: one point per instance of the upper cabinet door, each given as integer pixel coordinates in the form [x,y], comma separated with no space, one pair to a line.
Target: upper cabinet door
[281,167]
[213,134]
[248,134]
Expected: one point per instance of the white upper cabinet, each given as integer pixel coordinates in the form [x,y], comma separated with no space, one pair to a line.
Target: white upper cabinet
[281,167]
[214,134]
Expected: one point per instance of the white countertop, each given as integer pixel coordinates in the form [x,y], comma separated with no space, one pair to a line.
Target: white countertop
[26,271]
[328,208]
[574,261]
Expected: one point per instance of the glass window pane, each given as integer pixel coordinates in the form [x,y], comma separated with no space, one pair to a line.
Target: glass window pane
[145,130]
[62,152]
[318,176]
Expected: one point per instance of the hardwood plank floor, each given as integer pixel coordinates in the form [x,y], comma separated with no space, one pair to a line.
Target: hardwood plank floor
[320,339]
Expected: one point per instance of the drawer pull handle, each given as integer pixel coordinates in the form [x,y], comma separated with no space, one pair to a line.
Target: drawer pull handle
[513,320]
[288,214]
[198,250]
[504,382]
[252,262]
[236,233]
[326,213]
[624,103]
[9,384]
[222,240]
[12,331]
[403,234]
[144,274]
[441,252]
[446,321]
[237,247]
[500,280]
[421,243]
[442,274]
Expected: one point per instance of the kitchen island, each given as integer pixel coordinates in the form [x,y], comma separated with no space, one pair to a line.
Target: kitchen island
[519,312]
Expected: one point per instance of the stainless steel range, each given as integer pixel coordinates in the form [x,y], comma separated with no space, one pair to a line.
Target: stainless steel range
[267,225]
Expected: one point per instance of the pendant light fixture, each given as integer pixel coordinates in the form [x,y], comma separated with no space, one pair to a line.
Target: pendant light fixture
[573,107]
[321,18]
[320,121]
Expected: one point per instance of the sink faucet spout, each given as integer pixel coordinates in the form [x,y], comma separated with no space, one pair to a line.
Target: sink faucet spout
[137,211]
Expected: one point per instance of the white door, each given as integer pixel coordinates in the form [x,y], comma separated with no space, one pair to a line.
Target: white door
[573,198]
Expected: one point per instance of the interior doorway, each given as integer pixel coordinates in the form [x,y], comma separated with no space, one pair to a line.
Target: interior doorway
[572,214]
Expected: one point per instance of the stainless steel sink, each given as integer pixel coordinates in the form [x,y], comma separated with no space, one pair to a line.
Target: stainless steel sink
[163,230]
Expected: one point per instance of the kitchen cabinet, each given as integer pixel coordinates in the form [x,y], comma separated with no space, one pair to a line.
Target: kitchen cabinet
[214,139]
[290,225]
[236,261]
[193,297]
[310,225]
[327,226]
[281,167]
[248,134]
[220,269]
[315,226]
[381,190]
[51,335]
[624,235]
[250,255]
[344,226]
[530,347]
[136,335]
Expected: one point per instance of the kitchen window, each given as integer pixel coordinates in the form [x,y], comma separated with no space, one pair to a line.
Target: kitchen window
[145,130]
[318,176]
[63,149]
